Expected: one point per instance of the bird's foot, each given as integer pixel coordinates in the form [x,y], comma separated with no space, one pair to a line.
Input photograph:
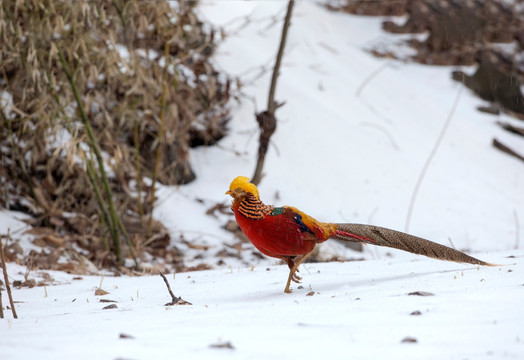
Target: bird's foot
[296,278]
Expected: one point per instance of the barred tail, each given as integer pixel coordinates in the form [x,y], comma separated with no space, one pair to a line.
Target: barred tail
[395,239]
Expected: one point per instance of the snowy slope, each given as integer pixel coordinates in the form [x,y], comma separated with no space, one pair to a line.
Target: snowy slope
[347,148]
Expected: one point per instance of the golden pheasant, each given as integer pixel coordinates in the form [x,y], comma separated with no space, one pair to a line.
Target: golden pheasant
[291,235]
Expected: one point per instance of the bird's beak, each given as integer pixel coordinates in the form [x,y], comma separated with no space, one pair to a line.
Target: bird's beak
[229,192]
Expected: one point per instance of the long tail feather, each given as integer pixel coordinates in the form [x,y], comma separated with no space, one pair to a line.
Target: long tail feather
[395,239]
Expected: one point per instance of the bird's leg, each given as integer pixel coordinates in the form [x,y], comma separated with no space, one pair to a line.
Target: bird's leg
[293,269]
[290,260]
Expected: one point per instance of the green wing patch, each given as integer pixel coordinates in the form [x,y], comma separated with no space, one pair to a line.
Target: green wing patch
[277,211]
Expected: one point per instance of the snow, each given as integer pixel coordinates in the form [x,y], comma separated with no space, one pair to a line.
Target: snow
[349,147]
[358,310]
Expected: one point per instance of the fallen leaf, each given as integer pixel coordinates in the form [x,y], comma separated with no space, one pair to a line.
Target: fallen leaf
[222,345]
[112,306]
[100,292]
[421,293]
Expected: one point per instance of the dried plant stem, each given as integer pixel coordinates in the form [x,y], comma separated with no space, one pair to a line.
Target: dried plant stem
[113,217]
[138,170]
[370,77]
[90,169]
[429,159]
[1,306]
[173,297]
[6,278]
[175,300]
[120,12]
[497,144]
[160,138]
[128,240]
[517,228]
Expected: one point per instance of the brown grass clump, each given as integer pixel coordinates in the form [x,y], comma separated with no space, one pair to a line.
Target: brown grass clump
[147,91]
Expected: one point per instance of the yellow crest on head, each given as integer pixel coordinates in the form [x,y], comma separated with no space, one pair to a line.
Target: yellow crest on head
[243,183]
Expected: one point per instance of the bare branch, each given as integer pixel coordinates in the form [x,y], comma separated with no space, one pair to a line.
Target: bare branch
[6,278]
[507,149]
[266,119]
[175,300]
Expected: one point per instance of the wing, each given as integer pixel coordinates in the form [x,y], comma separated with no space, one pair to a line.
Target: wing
[293,215]
[308,224]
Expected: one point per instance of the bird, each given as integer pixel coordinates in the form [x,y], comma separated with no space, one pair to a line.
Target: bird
[289,234]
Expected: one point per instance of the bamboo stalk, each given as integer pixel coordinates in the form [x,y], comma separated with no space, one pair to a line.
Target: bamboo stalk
[99,199]
[113,224]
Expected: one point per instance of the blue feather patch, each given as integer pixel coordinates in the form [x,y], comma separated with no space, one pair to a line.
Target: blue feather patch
[297,218]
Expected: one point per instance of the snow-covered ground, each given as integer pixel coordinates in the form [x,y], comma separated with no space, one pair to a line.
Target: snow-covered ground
[358,310]
[348,148]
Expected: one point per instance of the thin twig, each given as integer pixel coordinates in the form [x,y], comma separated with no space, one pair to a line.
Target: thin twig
[1,306]
[378,127]
[507,149]
[429,159]
[511,128]
[6,278]
[176,300]
[138,170]
[370,77]
[173,297]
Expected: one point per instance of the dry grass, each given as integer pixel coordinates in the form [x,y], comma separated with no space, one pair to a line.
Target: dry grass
[138,102]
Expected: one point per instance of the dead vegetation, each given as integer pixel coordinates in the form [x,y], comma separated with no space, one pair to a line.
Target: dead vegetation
[139,74]
[485,33]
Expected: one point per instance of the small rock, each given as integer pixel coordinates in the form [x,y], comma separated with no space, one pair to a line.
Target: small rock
[112,306]
[409,339]
[415,313]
